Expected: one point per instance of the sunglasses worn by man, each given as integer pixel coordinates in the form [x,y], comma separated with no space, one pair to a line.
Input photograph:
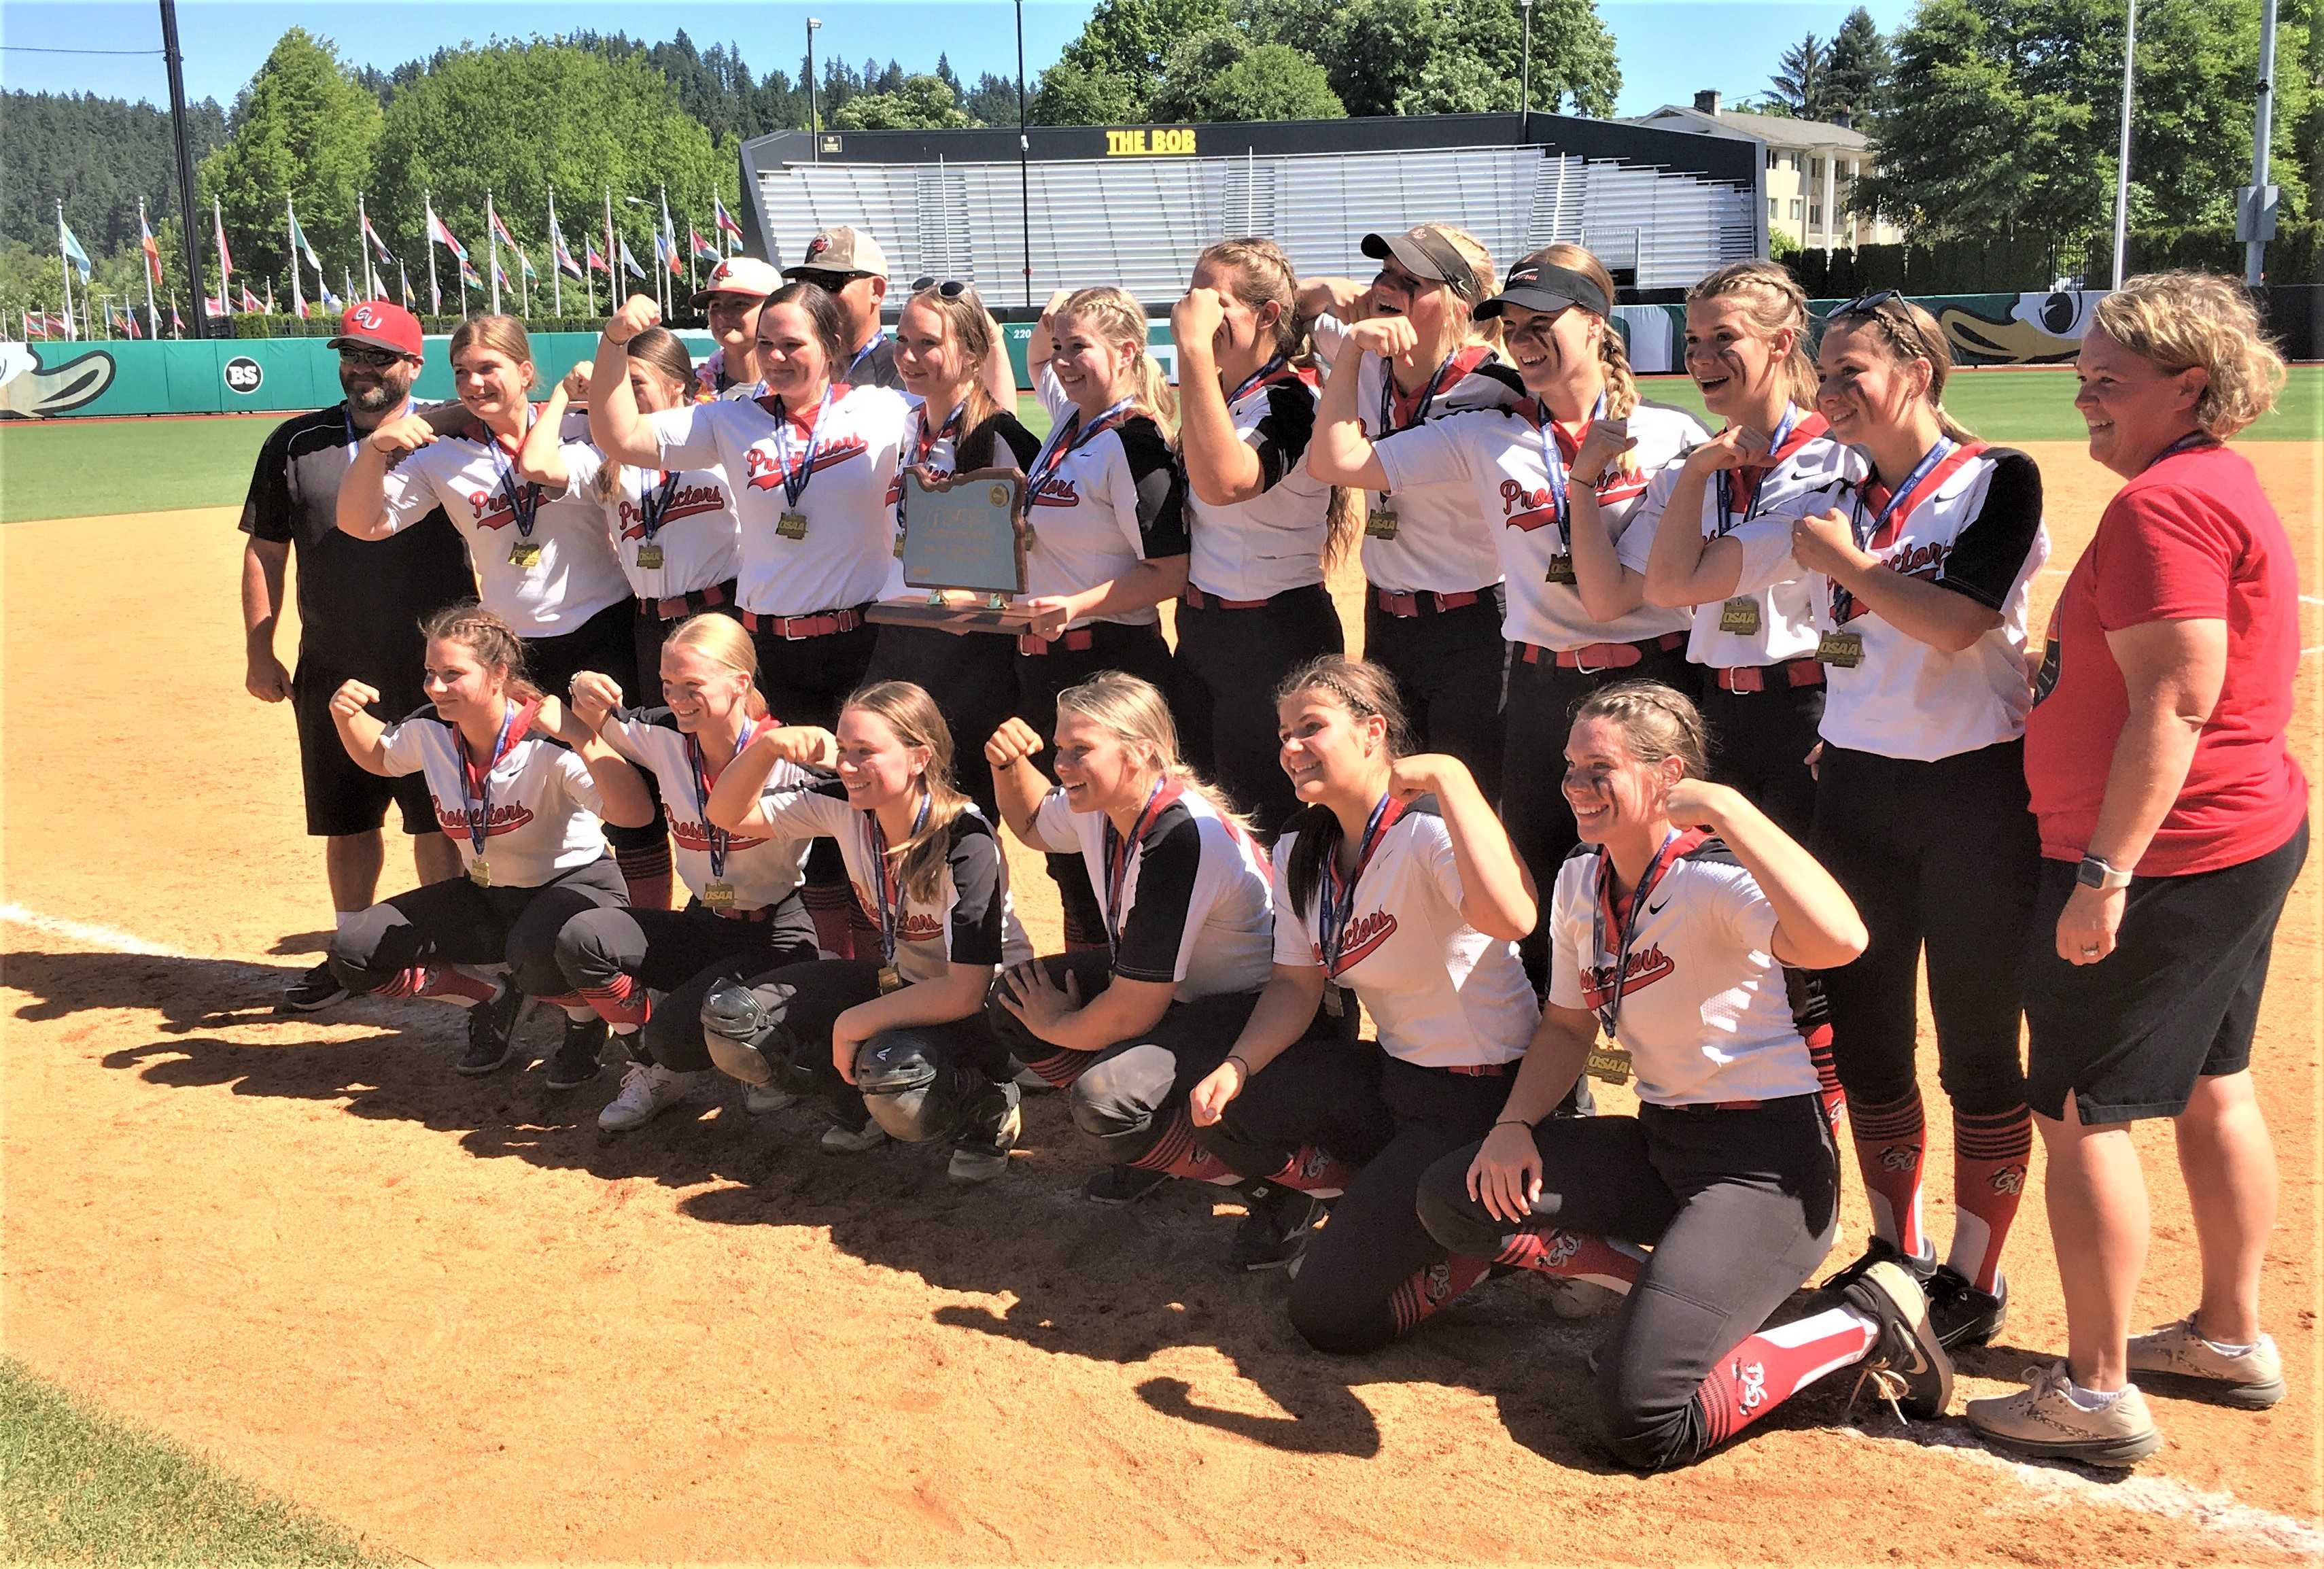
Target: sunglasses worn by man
[377,359]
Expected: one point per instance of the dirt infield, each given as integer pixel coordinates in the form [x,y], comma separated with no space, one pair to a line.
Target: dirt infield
[453,1317]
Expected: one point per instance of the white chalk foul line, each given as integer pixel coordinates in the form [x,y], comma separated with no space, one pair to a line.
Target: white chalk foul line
[2150,1495]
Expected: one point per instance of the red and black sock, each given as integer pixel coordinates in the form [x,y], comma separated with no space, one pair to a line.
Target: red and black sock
[829,904]
[448,983]
[620,1003]
[1316,1171]
[1574,1256]
[1060,1067]
[1892,1139]
[1174,1153]
[1770,1367]
[1989,1160]
[646,873]
[1429,1290]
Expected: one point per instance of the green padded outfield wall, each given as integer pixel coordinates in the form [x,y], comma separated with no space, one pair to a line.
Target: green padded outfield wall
[274,375]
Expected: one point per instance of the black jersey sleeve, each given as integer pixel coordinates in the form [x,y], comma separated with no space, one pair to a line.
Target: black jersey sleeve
[979,898]
[1161,488]
[1153,932]
[1002,439]
[266,513]
[1990,550]
[1284,431]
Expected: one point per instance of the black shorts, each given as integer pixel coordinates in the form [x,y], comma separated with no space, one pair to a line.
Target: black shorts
[342,797]
[2176,1001]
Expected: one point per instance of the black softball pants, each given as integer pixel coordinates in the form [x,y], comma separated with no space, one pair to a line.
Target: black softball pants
[682,954]
[1450,668]
[456,922]
[973,677]
[606,643]
[1759,744]
[1230,662]
[1135,650]
[805,680]
[1942,856]
[1738,1206]
[1395,1120]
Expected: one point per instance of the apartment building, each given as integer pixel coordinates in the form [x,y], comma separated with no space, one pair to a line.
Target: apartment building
[1810,166]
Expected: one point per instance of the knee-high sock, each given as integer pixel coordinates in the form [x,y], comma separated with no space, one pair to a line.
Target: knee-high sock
[1989,1157]
[450,982]
[1574,1256]
[620,1003]
[576,1008]
[1891,1140]
[1060,1067]
[828,905]
[1430,1289]
[1812,1014]
[1770,1367]
[646,871]
[1174,1153]
[1315,1171]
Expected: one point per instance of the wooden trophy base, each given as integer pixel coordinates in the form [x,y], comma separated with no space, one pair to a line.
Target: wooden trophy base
[979,616]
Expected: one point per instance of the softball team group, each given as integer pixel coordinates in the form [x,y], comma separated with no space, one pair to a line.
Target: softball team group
[1674,755]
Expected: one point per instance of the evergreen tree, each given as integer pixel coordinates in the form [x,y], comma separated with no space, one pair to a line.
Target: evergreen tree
[302,132]
[1858,68]
[1801,80]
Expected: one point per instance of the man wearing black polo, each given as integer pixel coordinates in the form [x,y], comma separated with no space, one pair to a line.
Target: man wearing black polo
[849,264]
[360,606]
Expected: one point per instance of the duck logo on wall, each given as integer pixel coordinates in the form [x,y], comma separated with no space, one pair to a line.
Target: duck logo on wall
[30,390]
[2040,329]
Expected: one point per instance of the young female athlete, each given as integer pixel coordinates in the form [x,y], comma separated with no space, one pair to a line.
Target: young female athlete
[944,348]
[902,1030]
[647,972]
[1396,884]
[1669,940]
[544,562]
[1188,926]
[1262,528]
[813,462]
[1432,571]
[523,789]
[730,299]
[674,530]
[1574,457]
[1920,579]
[1105,517]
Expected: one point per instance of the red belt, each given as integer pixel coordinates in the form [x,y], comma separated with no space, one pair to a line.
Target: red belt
[822,625]
[1478,1070]
[1802,672]
[1195,599]
[687,604]
[758,917]
[1074,642]
[1592,658]
[1718,1106]
[1408,605]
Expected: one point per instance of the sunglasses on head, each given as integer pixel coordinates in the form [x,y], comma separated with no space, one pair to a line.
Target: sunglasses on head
[377,359]
[950,288]
[1870,304]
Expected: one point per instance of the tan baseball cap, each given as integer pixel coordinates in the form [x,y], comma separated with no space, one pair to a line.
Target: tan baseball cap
[842,248]
[739,275]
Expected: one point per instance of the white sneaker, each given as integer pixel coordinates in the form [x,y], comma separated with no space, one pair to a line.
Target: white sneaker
[2253,1380]
[648,1090]
[2044,1420]
[761,1100]
[838,1141]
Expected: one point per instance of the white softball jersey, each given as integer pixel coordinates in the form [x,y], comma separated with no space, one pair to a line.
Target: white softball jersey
[1702,1009]
[1273,542]
[1440,992]
[1502,457]
[761,872]
[544,562]
[999,442]
[539,809]
[674,530]
[1975,527]
[1192,904]
[1430,538]
[1109,496]
[970,921]
[845,450]
[1775,623]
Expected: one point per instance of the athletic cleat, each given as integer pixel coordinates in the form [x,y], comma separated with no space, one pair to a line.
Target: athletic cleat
[1921,1268]
[1121,1184]
[763,1099]
[1274,1234]
[2043,1420]
[1963,1315]
[1906,1364]
[981,1154]
[839,1140]
[574,1063]
[317,988]
[648,1090]
[492,1033]
[2177,1354]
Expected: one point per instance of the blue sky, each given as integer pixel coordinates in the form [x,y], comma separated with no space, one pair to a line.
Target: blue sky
[1668,47]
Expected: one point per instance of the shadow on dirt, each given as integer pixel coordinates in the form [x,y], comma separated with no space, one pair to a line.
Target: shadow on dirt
[1114,1285]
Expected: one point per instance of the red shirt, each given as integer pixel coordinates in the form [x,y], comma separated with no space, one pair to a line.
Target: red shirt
[2192,538]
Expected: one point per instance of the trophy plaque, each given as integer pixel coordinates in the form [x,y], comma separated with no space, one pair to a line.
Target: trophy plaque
[963,543]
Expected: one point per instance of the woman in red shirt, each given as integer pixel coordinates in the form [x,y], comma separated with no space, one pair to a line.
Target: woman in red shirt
[2174,820]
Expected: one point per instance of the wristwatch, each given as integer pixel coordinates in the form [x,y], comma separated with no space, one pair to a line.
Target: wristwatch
[2095,873]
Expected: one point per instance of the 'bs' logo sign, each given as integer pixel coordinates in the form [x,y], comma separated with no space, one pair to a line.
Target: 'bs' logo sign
[243,375]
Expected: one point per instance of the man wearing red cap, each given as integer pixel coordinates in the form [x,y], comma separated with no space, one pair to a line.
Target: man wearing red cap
[360,605]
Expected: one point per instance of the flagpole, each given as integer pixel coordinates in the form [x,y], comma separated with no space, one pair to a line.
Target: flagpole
[217,222]
[555,272]
[291,241]
[362,244]
[147,270]
[435,295]
[64,262]
[613,260]
[493,251]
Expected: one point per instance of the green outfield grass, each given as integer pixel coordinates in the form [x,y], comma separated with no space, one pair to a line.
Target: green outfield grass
[68,468]
[78,1487]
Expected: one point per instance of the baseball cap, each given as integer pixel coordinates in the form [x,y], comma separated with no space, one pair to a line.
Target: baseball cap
[1425,253]
[380,324]
[842,248]
[1538,286]
[739,275]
